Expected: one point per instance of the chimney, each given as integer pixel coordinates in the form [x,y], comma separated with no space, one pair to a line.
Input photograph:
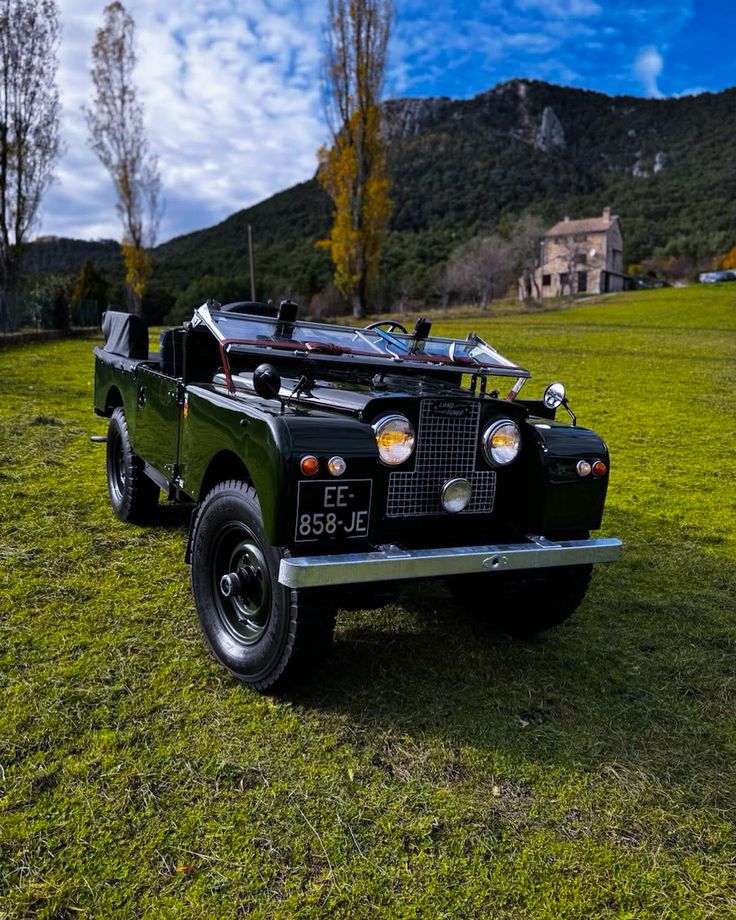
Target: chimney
[567,218]
[606,213]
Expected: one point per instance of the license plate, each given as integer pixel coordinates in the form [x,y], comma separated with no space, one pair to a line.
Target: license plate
[333,510]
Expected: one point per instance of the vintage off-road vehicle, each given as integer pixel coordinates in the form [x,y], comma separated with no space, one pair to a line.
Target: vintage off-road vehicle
[330,464]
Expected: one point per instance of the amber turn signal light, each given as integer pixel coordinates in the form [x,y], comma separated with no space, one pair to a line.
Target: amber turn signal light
[309,465]
[599,468]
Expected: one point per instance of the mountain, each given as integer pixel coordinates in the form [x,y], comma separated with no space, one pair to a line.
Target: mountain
[461,167]
[664,165]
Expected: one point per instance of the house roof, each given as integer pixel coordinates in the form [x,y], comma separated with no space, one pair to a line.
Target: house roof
[569,227]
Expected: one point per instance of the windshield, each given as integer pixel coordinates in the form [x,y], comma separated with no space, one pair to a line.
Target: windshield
[338,341]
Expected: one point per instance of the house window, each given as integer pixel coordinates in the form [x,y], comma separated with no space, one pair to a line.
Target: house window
[580,238]
[564,279]
[582,282]
[581,258]
[546,280]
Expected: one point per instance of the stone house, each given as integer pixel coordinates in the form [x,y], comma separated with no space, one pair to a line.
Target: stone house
[578,257]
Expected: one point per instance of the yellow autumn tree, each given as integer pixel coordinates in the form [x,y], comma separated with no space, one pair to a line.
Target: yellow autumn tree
[729,260]
[117,135]
[138,268]
[353,169]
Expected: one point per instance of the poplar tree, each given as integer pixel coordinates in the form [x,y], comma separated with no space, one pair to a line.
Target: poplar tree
[29,131]
[353,170]
[118,137]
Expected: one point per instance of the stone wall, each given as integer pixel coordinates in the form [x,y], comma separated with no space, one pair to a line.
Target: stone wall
[46,335]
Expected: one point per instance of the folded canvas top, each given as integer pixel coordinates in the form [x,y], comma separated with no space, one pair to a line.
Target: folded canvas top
[125,334]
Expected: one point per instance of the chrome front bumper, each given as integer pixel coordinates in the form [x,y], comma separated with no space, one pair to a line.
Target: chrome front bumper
[395,564]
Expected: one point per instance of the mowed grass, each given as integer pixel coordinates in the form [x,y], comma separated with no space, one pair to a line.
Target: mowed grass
[430,768]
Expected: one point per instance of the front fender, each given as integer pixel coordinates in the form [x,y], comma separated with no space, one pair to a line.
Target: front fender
[270,446]
[543,492]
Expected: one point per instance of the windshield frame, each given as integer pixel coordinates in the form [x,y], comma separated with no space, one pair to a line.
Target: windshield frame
[362,348]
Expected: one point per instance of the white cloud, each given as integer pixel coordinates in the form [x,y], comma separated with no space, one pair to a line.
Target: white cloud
[648,68]
[232,101]
[456,42]
[561,9]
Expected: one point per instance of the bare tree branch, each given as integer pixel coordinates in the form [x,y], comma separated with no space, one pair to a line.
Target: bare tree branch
[480,269]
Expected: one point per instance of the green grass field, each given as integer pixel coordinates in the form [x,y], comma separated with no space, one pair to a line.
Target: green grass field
[430,769]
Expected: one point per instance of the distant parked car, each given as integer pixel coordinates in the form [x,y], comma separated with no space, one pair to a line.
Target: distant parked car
[647,283]
[714,277]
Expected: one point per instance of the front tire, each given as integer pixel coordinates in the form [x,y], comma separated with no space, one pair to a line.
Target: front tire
[133,495]
[261,631]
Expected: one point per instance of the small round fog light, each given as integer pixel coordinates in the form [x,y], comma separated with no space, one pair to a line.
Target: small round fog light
[309,465]
[599,469]
[583,468]
[456,495]
[336,466]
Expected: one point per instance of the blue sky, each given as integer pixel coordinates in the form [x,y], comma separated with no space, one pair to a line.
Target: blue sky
[232,95]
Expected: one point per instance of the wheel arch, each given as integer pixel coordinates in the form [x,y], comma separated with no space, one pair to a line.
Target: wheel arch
[113,401]
[226,464]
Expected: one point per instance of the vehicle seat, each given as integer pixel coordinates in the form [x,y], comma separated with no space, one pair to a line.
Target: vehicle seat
[171,351]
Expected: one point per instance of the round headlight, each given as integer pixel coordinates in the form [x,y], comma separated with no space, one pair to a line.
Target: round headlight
[501,442]
[554,395]
[395,438]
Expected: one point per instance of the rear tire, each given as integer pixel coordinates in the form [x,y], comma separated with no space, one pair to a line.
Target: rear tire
[524,603]
[259,630]
[133,495]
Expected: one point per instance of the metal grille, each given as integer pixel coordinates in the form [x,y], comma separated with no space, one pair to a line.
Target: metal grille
[447,441]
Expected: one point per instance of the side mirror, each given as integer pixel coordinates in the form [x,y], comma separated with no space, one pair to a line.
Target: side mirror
[267,381]
[554,395]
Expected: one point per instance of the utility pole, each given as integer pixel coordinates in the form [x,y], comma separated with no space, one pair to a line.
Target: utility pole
[252,265]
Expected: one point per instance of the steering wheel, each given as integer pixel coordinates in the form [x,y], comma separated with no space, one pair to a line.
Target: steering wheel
[392,325]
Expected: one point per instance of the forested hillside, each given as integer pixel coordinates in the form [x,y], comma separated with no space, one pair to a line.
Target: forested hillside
[463,167]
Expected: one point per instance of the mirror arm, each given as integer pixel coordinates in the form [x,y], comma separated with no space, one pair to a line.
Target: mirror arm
[569,411]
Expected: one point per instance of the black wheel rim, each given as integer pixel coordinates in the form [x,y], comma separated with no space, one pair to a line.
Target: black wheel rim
[118,473]
[245,610]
